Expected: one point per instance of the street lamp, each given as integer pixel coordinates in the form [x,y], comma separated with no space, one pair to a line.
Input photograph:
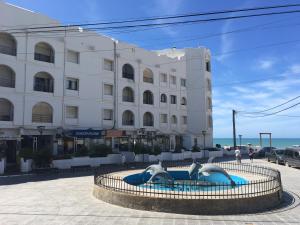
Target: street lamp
[240,137]
[204,133]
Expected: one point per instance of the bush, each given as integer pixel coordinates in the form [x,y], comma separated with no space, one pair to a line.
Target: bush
[64,156]
[178,149]
[99,150]
[141,149]
[156,150]
[42,158]
[195,148]
[82,151]
[26,153]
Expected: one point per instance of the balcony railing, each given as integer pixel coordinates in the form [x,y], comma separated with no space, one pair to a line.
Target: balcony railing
[128,99]
[43,88]
[44,58]
[41,118]
[8,50]
[148,80]
[6,117]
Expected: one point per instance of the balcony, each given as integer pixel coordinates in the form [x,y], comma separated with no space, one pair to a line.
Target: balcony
[43,58]
[8,50]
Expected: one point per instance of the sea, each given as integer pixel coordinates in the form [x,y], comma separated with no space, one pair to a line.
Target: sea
[276,142]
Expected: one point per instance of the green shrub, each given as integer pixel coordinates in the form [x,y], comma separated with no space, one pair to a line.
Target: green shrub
[156,150]
[81,151]
[141,149]
[100,150]
[195,148]
[64,156]
[26,153]
[42,158]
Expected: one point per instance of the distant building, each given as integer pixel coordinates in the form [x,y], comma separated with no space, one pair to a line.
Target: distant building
[69,87]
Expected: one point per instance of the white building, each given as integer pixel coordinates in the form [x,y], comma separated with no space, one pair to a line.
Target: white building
[54,83]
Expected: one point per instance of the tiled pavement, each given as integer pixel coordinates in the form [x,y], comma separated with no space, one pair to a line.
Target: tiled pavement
[69,201]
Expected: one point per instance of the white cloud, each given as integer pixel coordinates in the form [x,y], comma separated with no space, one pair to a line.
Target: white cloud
[226,42]
[266,64]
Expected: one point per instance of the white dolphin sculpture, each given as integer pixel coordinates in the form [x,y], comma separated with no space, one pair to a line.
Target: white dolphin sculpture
[194,168]
[208,169]
[158,172]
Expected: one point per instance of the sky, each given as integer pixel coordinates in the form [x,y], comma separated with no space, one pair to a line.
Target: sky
[252,70]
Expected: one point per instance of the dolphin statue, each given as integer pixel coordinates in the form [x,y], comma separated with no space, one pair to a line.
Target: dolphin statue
[162,177]
[153,168]
[208,169]
[193,169]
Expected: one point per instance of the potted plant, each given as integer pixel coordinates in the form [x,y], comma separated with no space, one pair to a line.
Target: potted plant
[26,158]
[177,154]
[42,158]
[196,152]
[154,154]
[141,153]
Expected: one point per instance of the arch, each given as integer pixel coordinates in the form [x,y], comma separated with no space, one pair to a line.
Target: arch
[128,118]
[6,110]
[7,77]
[148,119]
[44,52]
[163,98]
[148,97]
[183,101]
[128,71]
[128,94]
[42,112]
[173,119]
[8,44]
[148,76]
[43,82]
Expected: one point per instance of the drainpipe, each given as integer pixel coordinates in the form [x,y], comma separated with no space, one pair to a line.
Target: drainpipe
[64,83]
[25,78]
[115,88]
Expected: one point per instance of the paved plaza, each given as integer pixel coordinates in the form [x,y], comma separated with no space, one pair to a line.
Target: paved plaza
[69,201]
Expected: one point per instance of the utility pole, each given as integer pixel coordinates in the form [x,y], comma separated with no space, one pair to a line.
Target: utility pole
[233,127]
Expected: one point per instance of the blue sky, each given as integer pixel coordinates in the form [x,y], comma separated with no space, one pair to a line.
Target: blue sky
[276,69]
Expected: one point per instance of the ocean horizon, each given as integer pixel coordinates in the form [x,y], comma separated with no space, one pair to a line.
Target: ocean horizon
[276,142]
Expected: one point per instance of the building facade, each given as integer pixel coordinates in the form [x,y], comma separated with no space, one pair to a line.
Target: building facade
[61,86]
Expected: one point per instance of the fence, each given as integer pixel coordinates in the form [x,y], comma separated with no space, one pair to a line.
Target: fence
[190,189]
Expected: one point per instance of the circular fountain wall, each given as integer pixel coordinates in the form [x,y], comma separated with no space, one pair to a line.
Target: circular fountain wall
[256,189]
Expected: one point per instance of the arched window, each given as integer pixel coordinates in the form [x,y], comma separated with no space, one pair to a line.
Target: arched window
[7,77]
[42,113]
[148,98]
[148,76]
[183,101]
[128,71]
[148,119]
[8,44]
[173,119]
[163,98]
[43,82]
[6,110]
[128,118]
[44,52]
[128,95]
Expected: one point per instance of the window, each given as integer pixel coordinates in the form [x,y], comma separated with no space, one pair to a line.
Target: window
[210,121]
[184,120]
[163,78]
[208,85]
[148,98]
[128,71]
[173,99]
[108,65]
[209,103]
[148,76]
[163,98]
[7,76]
[72,112]
[107,114]
[128,118]
[8,44]
[183,82]
[43,82]
[44,52]
[6,110]
[42,113]
[108,89]
[163,118]
[72,84]
[128,95]
[173,119]
[183,101]
[73,56]
[173,80]
[148,119]
[208,66]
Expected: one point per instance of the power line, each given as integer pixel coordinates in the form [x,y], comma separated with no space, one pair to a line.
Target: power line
[169,17]
[166,23]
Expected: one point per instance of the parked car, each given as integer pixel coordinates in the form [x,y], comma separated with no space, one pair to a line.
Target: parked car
[276,155]
[292,157]
[262,152]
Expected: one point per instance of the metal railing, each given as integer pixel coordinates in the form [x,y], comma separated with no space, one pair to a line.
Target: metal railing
[269,182]
[44,58]
[8,50]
